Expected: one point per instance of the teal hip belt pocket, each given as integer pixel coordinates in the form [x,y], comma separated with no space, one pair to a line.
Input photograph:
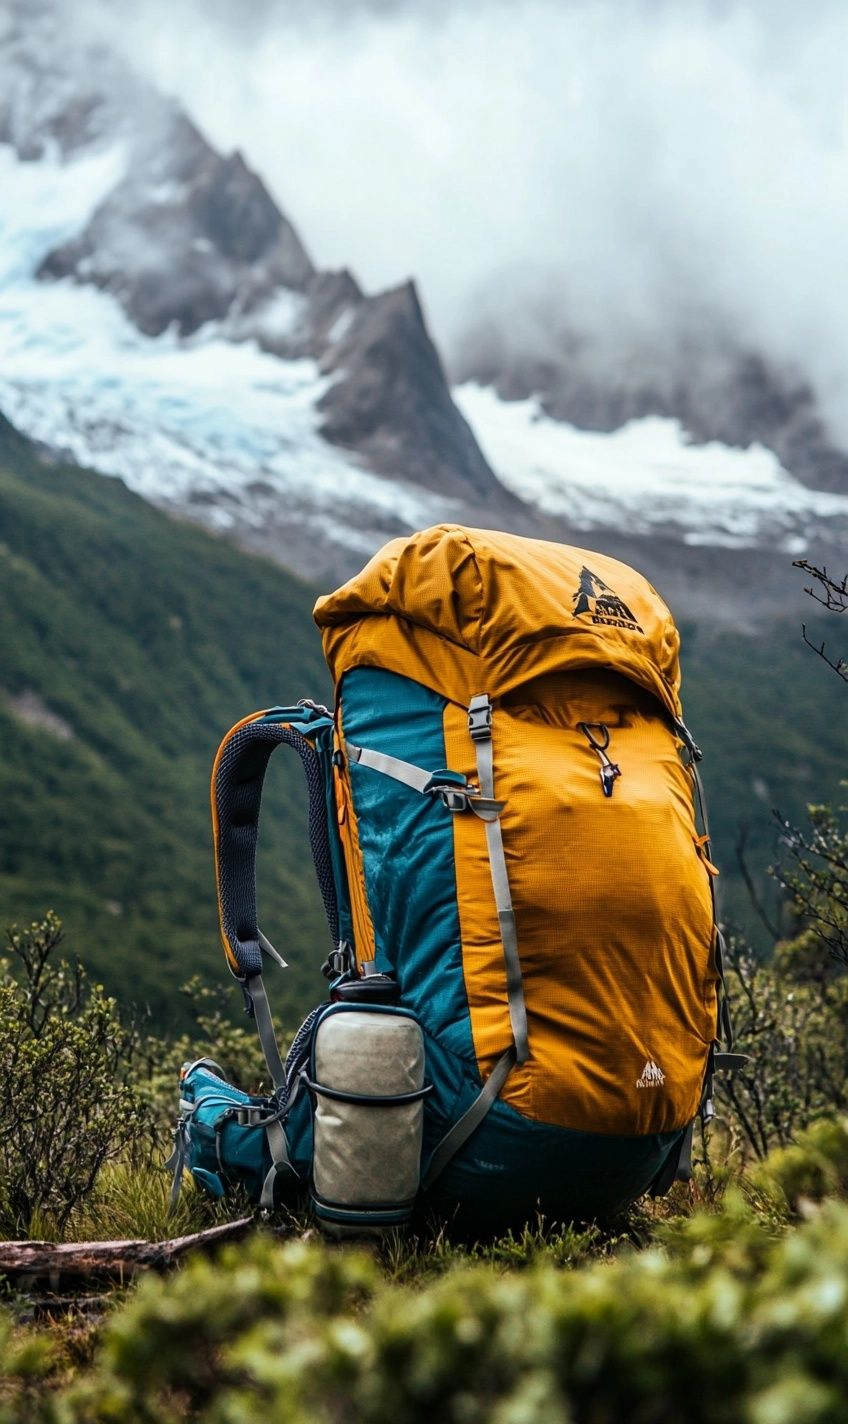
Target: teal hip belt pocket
[366,1077]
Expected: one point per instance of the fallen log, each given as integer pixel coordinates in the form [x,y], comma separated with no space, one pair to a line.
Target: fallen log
[118,1261]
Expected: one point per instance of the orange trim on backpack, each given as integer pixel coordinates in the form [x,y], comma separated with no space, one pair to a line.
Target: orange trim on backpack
[700,842]
[364,939]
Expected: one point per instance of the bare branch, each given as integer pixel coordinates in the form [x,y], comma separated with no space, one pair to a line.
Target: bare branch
[834,592]
[840,667]
[89,1260]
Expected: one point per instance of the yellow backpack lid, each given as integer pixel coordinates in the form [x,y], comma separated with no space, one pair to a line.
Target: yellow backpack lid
[461,609]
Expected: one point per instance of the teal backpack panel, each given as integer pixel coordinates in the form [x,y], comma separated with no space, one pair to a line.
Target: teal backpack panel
[222,1152]
[407,848]
[512,1167]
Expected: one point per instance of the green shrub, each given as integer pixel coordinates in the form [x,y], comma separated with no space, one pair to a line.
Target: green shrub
[792,1018]
[66,1107]
[812,1168]
[736,1315]
[26,1360]
[729,1327]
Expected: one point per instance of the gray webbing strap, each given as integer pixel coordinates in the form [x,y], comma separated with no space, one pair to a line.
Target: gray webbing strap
[702,808]
[176,1164]
[265,1028]
[280,1162]
[725,1024]
[456,797]
[684,1161]
[459,1134]
[267,948]
[480,727]
[405,771]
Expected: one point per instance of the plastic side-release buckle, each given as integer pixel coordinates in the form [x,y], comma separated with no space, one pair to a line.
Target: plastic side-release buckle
[311,706]
[480,718]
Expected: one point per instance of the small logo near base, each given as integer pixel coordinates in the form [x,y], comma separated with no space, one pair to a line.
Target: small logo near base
[652,1076]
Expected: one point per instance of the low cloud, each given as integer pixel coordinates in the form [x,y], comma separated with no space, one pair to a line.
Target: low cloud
[642,171]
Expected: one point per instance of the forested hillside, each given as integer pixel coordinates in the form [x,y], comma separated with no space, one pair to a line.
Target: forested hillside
[129,643]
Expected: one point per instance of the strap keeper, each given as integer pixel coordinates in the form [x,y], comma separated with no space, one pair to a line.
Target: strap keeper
[480,718]
[339,961]
[458,799]
[451,796]
[251,1116]
[268,949]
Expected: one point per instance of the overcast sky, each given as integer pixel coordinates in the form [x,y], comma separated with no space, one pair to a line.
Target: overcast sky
[635,165]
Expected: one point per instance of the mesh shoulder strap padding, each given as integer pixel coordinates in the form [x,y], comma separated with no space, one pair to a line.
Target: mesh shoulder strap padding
[237,782]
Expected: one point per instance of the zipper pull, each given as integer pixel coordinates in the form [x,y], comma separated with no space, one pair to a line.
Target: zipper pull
[609,771]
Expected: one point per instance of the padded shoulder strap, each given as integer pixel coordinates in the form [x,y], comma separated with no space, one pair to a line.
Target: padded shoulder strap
[238,776]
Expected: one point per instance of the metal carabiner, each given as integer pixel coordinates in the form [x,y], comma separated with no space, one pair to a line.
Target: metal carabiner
[609,770]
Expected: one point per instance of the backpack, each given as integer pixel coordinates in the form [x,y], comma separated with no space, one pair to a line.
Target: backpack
[527,1003]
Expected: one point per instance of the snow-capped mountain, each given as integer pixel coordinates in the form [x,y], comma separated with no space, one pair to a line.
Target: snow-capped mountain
[716,388]
[161,320]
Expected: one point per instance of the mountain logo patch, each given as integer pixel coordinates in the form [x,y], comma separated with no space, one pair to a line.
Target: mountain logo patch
[596,598]
[652,1076]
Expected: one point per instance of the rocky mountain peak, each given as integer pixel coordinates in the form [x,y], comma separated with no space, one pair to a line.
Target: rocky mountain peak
[393,404]
[186,237]
[189,239]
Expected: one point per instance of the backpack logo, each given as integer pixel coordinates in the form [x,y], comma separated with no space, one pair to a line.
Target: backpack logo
[595,597]
[652,1076]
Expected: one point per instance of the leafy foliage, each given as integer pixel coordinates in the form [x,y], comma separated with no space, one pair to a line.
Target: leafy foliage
[733,1318]
[89,1101]
[793,1015]
[794,1025]
[66,1107]
[25,1360]
[810,1169]
[736,1313]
